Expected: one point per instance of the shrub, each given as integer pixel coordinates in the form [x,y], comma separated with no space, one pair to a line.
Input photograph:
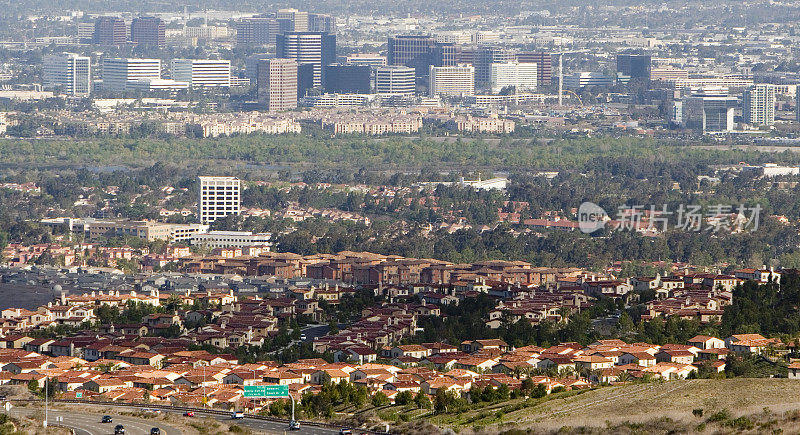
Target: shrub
[697,412]
[719,416]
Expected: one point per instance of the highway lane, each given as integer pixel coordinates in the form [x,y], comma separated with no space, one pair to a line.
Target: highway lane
[86,423]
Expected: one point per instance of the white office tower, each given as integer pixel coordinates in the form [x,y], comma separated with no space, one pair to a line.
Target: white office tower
[758,105]
[452,81]
[394,79]
[69,72]
[201,73]
[521,76]
[219,197]
[119,73]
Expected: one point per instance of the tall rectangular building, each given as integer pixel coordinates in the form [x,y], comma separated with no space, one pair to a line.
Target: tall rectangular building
[484,58]
[452,81]
[148,32]
[321,23]
[277,84]
[394,79]
[218,197]
[635,66]
[257,31]
[347,79]
[110,31]
[69,72]
[520,76]
[316,48]
[297,20]
[415,51]
[201,73]
[544,65]
[758,104]
[119,73]
[707,112]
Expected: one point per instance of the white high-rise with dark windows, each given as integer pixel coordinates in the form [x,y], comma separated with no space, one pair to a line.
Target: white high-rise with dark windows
[758,104]
[218,197]
[119,73]
[201,73]
[69,72]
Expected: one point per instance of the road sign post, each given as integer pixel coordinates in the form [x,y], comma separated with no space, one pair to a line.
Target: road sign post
[268,391]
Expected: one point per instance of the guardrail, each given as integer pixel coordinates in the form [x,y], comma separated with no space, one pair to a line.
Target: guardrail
[198,410]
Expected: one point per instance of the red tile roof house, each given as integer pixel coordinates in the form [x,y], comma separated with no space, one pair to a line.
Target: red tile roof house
[706,342]
[561,364]
[592,362]
[750,343]
[675,356]
[794,370]
[643,359]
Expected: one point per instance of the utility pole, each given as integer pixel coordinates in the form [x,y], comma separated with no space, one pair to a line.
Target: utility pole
[560,79]
[45,402]
[205,398]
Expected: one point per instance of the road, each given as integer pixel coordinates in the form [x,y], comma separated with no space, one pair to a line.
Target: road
[88,423]
[314,331]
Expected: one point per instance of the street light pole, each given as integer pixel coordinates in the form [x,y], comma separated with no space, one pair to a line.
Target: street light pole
[45,402]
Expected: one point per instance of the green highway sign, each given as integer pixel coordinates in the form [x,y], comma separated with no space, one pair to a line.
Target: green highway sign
[266,391]
[78,395]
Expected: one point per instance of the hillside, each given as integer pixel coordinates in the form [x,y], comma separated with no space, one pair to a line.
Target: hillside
[655,408]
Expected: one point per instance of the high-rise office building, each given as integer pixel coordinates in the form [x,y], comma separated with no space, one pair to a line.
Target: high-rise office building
[316,48]
[251,65]
[257,31]
[277,84]
[521,76]
[544,64]
[296,21]
[85,33]
[394,79]
[348,79]
[484,58]
[707,112]
[119,73]
[218,197]
[148,31]
[305,79]
[201,73]
[634,66]
[69,72]
[452,81]
[758,104]
[110,31]
[321,23]
[415,51]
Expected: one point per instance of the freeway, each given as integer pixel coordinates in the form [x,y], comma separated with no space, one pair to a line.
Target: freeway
[86,423]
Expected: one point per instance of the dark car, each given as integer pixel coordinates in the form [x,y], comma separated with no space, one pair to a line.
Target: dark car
[155,431]
[119,430]
[294,425]
[106,419]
